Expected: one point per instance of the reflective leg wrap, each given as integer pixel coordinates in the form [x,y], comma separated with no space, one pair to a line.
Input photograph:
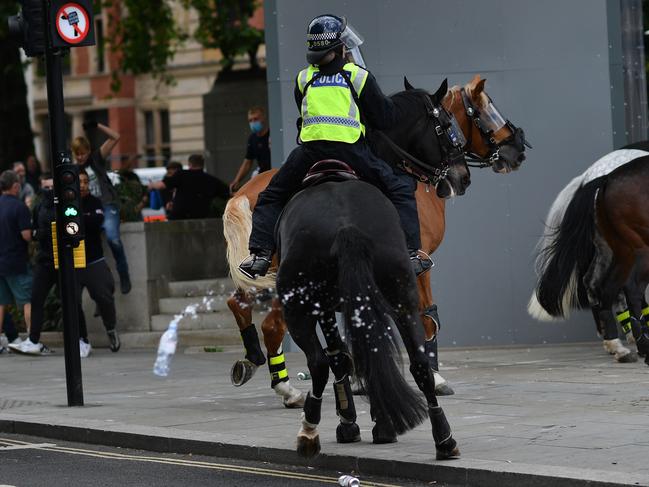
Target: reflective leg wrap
[445,445]
[340,362]
[624,319]
[345,408]
[277,368]
[252,346]
[312,409]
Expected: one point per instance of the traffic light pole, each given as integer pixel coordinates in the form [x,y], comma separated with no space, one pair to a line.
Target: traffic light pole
[67,276]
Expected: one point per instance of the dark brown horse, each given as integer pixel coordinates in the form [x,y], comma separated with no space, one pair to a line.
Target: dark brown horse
[502,149]
[617,207]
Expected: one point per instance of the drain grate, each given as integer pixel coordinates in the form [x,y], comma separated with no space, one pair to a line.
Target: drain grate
[16,403]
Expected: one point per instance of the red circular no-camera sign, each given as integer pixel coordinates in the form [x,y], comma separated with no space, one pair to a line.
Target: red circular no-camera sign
[72,23]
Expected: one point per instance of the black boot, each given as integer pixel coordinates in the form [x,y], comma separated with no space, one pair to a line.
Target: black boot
[125,283]
[113,338]
[257,263]
[420,261]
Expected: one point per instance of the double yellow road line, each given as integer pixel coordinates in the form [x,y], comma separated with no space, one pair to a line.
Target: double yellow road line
[266,472]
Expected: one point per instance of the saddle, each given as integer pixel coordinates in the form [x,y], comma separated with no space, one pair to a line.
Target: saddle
[328,170]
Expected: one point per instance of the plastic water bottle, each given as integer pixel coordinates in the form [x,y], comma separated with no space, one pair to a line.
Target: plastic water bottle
[303,375]
[348,481]
[166,349]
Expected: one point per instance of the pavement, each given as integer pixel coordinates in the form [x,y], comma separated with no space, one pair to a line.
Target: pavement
[564,415]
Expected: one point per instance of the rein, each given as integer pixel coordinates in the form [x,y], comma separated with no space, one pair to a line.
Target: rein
[451,150]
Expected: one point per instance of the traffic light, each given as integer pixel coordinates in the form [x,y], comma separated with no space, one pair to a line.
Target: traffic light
[28,27]
[69,215]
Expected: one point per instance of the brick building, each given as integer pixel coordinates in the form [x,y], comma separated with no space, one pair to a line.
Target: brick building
[160,122]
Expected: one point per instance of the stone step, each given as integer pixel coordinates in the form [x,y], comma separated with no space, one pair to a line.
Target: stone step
[219,320]
[206,304]
[221,285]
[186,338]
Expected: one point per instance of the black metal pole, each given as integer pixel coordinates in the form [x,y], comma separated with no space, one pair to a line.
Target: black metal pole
[67,276]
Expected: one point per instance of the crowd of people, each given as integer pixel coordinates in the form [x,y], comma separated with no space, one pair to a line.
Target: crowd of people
[111,192]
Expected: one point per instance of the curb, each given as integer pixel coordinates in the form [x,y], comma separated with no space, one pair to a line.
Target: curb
[492,474]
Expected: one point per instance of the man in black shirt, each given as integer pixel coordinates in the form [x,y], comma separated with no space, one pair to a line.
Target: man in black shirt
[258,148]
[195,190]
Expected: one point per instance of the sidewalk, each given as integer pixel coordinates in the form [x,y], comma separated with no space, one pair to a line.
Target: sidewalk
[548,415]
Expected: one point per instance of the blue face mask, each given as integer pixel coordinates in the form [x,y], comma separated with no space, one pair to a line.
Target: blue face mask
[256,126]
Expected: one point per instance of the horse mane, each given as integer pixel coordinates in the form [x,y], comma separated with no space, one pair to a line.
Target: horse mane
[409,101]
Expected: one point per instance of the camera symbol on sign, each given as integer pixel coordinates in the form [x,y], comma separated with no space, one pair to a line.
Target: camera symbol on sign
[72,228]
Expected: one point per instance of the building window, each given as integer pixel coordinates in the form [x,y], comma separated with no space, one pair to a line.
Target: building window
[157,137]
[100,51]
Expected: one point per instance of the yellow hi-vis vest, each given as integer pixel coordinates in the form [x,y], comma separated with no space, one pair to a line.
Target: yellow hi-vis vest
[329,111]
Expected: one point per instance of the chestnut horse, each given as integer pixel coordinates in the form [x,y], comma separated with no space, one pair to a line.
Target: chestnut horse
[502,149]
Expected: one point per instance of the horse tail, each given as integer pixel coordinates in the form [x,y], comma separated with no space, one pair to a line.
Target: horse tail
[237,225]
[373,342]
[567,258]
[552,223]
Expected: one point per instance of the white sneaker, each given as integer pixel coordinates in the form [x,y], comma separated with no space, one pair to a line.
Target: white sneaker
[28,347]
[84,348]
[17,341]
[4,342]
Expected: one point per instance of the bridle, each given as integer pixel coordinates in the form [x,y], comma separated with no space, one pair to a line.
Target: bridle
[474,160]
[450,144]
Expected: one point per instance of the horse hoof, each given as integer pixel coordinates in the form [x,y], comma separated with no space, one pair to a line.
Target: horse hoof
[627,358]
[291,397]
[382,435]
[241,372]
[444,390]
[308,447]
[348,433]
[447,450]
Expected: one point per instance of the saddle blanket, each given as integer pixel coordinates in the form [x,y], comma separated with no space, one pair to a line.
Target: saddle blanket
[610,162]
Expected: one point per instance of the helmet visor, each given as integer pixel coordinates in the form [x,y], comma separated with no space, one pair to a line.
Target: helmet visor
[350,37]
[492,118]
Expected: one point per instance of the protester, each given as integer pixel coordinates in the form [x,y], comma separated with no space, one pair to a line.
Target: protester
[45,276]
[168,194]
[133,195]
[96,276]
[94,162]
[34,172]
[194,190]
[15,232]
[27,191]
[258,148]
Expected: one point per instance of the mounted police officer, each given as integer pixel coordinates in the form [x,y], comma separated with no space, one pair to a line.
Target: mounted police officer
[337,100]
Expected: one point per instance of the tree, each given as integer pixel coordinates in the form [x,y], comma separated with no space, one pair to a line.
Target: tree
[16,138]
[148,46]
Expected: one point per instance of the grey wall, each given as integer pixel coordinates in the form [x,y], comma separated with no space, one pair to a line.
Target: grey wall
[549,69]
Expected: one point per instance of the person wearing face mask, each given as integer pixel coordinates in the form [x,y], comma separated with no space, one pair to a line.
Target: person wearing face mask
[258,148]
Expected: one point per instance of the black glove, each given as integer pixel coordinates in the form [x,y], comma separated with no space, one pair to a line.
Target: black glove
[90,124]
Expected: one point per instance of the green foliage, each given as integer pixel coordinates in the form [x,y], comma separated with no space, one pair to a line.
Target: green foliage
[146,36]
[223,24]
[130,194]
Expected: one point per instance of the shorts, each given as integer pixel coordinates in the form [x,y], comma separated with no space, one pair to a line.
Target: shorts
[16,288]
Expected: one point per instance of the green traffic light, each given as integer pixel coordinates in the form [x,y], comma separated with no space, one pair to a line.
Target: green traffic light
[71,211]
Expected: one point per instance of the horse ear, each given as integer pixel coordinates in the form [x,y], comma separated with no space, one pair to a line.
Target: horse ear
[438,96]
[478,88]
[407,84]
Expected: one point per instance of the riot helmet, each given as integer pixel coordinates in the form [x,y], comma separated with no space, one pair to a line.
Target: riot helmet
[328,32]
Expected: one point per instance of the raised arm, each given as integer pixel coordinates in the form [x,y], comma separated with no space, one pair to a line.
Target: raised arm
[113,138]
